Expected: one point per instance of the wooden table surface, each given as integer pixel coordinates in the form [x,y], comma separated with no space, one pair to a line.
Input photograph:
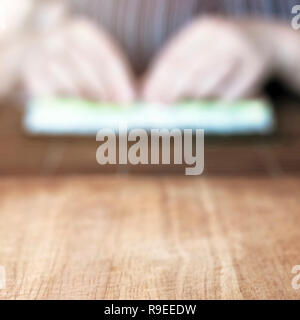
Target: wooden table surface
[123,237]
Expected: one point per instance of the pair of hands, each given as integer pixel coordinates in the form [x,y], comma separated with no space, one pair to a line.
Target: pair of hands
[211,58]
[227,59]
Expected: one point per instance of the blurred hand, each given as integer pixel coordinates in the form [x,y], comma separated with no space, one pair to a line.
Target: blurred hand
[11,56]
[211,58]
[14,15]
[281,43]
[77,59]
[19,19]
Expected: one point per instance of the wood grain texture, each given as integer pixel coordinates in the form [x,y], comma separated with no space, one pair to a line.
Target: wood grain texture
[112,237]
